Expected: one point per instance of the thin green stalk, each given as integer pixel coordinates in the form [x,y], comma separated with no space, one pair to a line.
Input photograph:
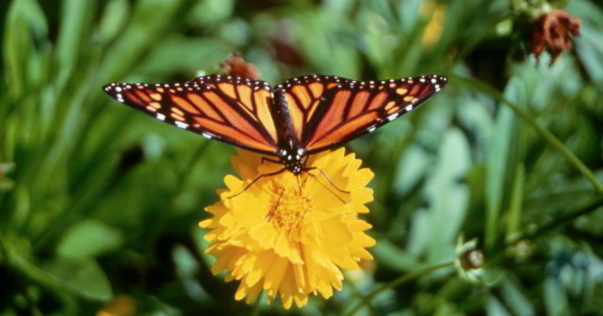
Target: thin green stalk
[399,281]
[556,223]
[548,136]
[531,234]
[364,300]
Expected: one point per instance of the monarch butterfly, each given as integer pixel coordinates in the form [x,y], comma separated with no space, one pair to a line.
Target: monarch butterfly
[299,117]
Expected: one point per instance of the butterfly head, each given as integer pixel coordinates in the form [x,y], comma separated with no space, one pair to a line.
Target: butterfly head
[292,159]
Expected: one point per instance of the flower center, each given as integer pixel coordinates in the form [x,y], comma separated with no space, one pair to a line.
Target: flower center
[287,207]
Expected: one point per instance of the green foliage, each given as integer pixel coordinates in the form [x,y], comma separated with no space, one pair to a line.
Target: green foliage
[98,203]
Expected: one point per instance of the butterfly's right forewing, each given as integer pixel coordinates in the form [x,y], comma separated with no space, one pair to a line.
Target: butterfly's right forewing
[329,111]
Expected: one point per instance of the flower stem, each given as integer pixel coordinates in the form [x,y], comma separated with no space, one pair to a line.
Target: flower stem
[557,222]
[548,136]
[399,281]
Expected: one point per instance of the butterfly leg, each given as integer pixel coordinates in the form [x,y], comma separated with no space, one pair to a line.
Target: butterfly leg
[326,177]
[258,178]
[326,187]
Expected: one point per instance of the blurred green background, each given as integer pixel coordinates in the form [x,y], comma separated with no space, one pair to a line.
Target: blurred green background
[99,204]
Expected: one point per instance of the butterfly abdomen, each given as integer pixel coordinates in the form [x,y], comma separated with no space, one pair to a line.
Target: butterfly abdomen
[283,122]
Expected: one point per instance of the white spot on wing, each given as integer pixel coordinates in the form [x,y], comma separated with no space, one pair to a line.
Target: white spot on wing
[160,116]
[180,124]
[392,117]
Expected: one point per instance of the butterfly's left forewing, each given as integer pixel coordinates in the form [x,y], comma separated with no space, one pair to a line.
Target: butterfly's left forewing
[233,110]
[328,111]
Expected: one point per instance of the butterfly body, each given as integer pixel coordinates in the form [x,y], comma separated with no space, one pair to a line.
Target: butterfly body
[291,152]
[302,116]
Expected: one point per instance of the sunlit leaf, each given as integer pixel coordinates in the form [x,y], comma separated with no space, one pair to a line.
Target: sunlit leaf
[89,238]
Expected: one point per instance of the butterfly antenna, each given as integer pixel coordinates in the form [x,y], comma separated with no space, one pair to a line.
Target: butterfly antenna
[256,179]
[328,179]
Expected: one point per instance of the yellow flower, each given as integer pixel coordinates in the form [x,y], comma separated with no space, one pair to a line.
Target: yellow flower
[290,237]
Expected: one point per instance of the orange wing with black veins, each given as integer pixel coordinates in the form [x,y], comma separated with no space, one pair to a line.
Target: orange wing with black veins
[233,110]
[328,111]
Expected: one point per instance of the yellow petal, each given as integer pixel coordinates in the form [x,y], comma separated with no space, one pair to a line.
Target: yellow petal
[359,225]
[287,301]
[301,300]
[325,289]
[277,272]
[241,292]
[338,232]
[341,257]
[265,234]
[253,293]
[300,278]
[265,260]
[205,223]
[233,183]
[284,248]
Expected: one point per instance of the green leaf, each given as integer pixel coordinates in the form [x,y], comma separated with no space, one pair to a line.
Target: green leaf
[25,45]
[184,261]
[5,182]
[76,19]
[318,48]
[178,54]
[514,213]
[79,276]
[113,19]
[83,276]
[555,299]
[151,19]
[448,196]
[210,12]
[590,50]
[389,255]
[495,308]
[407,178]
[515,299]
[89,238]
[496,162]
[419,233]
